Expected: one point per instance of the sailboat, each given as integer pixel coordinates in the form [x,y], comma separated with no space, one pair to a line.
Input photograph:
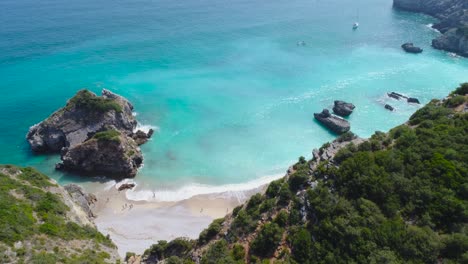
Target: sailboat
[356,24]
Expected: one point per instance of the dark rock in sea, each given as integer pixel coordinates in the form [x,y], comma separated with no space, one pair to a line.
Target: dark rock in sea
[84,200]
[410,48]
[453,24]
[93,134]
[126,186]
[397,96]
[141,137]
[334,123]
[342,108]
[413,100]
[389,107]
[116,156]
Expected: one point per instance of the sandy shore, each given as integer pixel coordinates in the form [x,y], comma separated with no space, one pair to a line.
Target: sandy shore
[135,225]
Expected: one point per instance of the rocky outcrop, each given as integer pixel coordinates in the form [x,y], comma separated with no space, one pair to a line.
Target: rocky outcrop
[398,96]
[413,100]
[85,114]
[455,40]
[117,157]
[72,131]
[82,199]
[410,48]
[141,137]
[342,108]
[453,24]
[389,107]
[126,186]
[334,123]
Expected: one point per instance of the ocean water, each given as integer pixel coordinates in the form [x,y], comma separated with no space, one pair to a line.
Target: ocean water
[231,94]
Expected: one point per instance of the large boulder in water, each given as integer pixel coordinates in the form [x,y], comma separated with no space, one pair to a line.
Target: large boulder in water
[109,153]
[85,114]
[410,48]
[94,134]
[342,108]
[334,123]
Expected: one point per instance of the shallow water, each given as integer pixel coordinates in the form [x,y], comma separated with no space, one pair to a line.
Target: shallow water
[230,92]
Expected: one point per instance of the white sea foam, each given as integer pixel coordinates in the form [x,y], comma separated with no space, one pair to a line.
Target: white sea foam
[430,26]
[145,128]
[237,191]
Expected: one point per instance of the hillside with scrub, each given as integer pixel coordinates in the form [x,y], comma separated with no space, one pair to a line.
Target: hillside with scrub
[397,197]
[41,223]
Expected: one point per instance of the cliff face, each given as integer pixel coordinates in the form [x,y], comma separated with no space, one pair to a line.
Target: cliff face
[118,156]
[453,25]
[41,222]
[93,134]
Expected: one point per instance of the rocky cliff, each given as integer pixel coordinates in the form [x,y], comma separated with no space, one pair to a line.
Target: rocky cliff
[453,24]
[74,129]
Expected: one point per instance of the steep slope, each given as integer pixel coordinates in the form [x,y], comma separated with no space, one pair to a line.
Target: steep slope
[40,222]
[398,197]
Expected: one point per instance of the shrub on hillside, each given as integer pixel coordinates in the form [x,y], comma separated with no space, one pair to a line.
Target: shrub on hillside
[267,240]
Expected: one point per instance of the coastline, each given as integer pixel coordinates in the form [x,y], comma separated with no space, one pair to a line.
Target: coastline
[134,225]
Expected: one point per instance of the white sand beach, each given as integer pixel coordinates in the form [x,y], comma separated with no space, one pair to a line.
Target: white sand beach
[135,225]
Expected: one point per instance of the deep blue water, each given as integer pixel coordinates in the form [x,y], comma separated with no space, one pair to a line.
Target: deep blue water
[232,94]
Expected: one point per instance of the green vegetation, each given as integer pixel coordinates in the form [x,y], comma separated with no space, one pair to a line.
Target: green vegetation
[91,102]
[348,136]
[108,135]
[455,101]
[29,210]
[267,240]
[399,197]
[462,89]
[212,230]
[179,247]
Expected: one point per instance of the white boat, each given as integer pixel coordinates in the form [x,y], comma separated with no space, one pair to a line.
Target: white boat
[355,25]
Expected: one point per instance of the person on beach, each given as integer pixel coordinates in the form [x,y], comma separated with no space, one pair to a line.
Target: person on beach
[131,206]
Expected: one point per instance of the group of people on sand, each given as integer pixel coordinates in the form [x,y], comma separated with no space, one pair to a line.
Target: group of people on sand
[125,206]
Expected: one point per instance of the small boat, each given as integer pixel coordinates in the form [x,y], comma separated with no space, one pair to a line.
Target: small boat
[355,25]
[301,43]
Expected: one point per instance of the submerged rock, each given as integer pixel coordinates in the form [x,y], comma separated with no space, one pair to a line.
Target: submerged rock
[397,96]
[334,123]
[410,48]
[93,134]
[342,108]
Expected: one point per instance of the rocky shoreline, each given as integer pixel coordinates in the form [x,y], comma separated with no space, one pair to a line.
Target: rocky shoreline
[93,134]
[453,16]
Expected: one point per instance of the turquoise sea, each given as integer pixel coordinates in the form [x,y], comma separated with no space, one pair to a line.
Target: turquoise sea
[230,92]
